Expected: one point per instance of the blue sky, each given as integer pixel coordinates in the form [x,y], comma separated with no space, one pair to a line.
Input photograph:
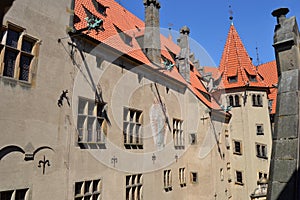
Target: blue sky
[209,23]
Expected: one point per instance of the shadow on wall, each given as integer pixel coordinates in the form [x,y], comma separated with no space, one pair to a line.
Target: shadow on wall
[284,190]
[4,7]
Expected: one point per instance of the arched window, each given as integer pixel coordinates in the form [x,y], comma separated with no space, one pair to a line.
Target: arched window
[237,100]
[230,100]
[254,103]
[259,100]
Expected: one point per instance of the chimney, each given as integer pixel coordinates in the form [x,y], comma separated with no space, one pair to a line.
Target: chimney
[152,34]
[280,13]
[184,55]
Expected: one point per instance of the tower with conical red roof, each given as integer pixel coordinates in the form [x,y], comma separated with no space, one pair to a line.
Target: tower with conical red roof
[241,90]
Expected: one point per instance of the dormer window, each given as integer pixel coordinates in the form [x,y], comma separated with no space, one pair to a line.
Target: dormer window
[126,38]
[100,8]
[232,79]
[252,78]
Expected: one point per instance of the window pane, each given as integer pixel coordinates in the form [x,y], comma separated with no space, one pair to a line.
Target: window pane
[20,194]
[9,63]
[6,195]
[24,67]
[27,46]
[12,38]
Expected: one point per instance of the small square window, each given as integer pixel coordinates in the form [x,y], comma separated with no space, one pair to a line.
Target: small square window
[232,79]
[194,177]
[259,129]
[193,139]
[237,147]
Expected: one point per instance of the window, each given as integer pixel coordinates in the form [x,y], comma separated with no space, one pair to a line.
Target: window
[232,79]
[19,194]
[231,101]
[239,177]
[237,147]
[262,175]
[221,174]
[252,78]
[132,128]
[91,189]
[259,129]
[91,123]
[257,100]
[168,180]
[237,100]
[134,186]
[18,52]
[193,139]
[178,135]
[261,151]
[182,177]
[227,142]
[234,101]
[270,104]
[194,177]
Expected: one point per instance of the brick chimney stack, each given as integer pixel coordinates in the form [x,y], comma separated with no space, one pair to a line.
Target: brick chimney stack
[152,34]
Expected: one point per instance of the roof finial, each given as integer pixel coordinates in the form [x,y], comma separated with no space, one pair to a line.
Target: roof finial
[257,55]
[231,15]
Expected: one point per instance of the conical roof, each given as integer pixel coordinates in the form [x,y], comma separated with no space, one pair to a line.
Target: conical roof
[236,67]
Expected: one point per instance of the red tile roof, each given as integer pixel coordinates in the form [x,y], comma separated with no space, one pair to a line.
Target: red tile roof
[235,62]
[269,73]
[118,16]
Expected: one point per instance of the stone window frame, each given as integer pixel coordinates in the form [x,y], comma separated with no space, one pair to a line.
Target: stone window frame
[182,178]
[261,150]
[262,174]
[259,129]
[194,177]
[134,187]
[88,189]
[25,49]
[91,124]
[132,128]
[178,134]
[167,180]
[234,100]
[239,177]
[15,194]
[235,151]
[257,100]
[193,138]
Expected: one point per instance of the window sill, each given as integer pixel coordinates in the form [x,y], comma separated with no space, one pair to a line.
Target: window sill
[262,157]
[179,147]
[257,105]
[168,189]
[239,183]
[183,185]
[13,81]
[237,153]
[133,146]
[92,145]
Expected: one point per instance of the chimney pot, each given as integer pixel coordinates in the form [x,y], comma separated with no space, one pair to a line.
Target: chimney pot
[185,30]
[280,13]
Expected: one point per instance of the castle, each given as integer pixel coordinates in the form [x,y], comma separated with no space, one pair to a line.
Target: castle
[98,104]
